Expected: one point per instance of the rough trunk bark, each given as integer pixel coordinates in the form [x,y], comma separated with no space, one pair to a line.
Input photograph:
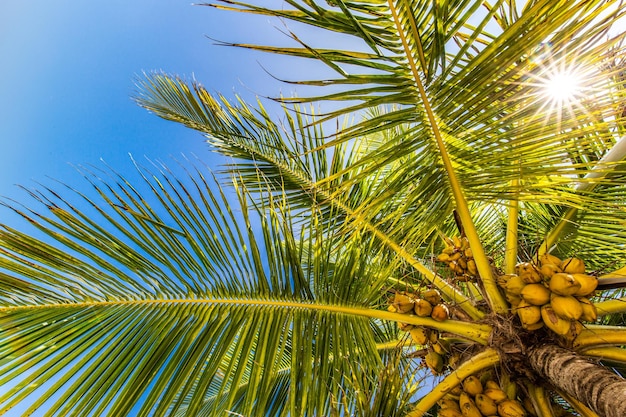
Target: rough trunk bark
[595,386]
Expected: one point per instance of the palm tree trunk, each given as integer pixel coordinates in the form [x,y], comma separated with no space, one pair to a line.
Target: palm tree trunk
[594,385]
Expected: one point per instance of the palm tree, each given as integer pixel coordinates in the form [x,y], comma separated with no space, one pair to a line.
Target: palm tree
[276,286]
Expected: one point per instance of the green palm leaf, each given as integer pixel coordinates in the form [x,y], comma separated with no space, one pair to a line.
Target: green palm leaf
[156,297]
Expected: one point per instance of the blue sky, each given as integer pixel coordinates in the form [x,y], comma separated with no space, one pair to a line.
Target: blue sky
[68,72]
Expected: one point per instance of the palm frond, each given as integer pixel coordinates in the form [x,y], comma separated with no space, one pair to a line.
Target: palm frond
[153,296]
[295,163]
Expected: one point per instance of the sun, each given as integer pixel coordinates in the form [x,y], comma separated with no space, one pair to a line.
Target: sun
[563,87]
[560,87]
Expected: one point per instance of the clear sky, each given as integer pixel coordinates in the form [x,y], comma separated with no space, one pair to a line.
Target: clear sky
[68,71]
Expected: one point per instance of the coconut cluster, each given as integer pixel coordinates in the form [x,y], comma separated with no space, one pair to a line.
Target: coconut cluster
[554,293]
[428,304]
[459,258]
[482,395]
[477,397]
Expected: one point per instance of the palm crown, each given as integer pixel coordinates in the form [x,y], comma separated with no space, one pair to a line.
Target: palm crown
[182,295]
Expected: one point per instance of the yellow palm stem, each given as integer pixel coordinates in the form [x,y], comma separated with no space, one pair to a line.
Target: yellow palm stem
[473,331]
[473,289]
[581,408]
[611,306]
[615,354]
[510,252]
[394,344]
[483,360]
[493,295]
[598,335]
[540,400]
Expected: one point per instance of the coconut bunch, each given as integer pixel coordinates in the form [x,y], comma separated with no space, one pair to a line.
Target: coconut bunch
[428,304]
[555,293]
[477,397]
[457,254]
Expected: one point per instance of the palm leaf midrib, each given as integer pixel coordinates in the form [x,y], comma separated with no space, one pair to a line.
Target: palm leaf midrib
[475,331]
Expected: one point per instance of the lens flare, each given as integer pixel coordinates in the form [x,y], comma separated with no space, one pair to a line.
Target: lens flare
[558,83]
[562,87]
[559,90]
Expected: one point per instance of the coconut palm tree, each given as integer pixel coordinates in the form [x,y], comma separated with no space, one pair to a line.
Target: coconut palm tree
[288,283]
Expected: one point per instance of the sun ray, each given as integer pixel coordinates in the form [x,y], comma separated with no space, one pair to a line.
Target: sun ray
[561,84]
